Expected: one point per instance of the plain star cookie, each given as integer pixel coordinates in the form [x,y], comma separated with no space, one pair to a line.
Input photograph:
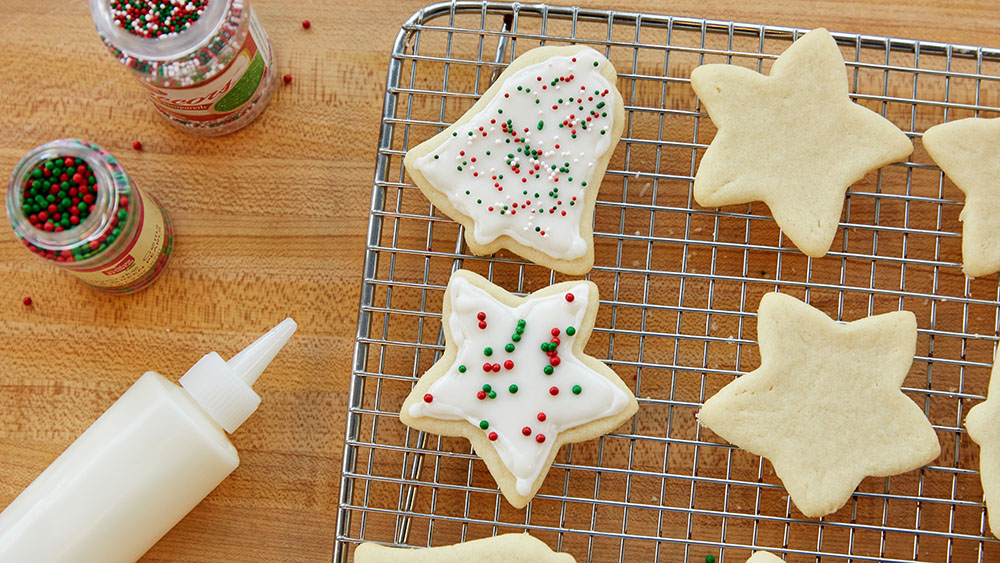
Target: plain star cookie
[983,424]
[793,139]
[825,406]
[764,557]
[515,381]
[966,150]
[506,548]
[521,169]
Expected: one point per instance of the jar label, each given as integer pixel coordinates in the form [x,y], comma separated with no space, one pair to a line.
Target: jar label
[143,253]
[225,93]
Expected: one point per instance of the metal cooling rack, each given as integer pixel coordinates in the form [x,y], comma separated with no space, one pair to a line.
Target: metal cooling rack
[679,287]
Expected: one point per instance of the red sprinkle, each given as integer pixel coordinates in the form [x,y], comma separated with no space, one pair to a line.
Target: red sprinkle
[540,438]
[428,398]
[481,316]
[554,360]
[306,24]
[287,78]
[482,324]
[493,436]
[496,367]
[570,297]
[487,367]
[27,301]
[555,332]
[526,431]
[481,395]
[509,364]
[553,391]
[137,145]
[541,417]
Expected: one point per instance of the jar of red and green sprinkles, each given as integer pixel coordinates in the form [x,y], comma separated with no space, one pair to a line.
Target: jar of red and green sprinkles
[207,65]
[72,204]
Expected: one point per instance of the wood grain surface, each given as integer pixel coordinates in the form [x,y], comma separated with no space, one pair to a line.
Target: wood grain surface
[269,222]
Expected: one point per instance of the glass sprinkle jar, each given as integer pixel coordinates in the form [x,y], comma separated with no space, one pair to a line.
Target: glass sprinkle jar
[211,77]
[119,239]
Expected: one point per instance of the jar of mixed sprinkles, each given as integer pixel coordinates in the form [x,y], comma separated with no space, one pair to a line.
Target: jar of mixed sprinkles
[207,65]
[72,204]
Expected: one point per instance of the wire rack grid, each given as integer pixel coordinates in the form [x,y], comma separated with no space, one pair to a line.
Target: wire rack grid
[679,286]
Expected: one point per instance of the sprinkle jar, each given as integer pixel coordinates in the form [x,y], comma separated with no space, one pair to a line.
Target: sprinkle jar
[207,65]
[72,204]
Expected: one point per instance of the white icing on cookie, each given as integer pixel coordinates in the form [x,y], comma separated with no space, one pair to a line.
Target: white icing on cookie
[523,406]
[522,166]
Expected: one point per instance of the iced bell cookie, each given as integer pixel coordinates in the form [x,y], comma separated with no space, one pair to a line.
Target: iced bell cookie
[521,169]
[983,424]
[967,151]
[515,381]
[506,548]
[764,557]
[793,139]
[825,406]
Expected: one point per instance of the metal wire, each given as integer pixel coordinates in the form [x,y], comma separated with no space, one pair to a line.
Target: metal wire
[679,287]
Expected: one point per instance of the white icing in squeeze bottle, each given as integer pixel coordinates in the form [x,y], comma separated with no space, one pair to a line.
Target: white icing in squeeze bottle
[142,466]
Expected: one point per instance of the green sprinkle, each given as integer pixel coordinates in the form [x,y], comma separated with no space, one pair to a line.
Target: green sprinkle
[483,424]
[492,394]
[509,348]
[488,351]
[709,559]
[577,389]
[548,370]
[596,63]
[516,337]
[512,388]
[487,388]
[462,369]
[570,331]
[600,105]
[540,125]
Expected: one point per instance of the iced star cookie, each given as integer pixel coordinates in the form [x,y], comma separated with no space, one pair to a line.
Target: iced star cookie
[521,169]
[983,424]
[825,405]
[515,381]
[764,557]
[967,151]
[506,548]
[793,139]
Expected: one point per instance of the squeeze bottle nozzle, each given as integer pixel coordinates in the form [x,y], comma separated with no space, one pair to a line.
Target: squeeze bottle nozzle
[224,389]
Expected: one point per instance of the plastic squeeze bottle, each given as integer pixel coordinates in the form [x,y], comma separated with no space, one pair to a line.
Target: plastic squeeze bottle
[142,466]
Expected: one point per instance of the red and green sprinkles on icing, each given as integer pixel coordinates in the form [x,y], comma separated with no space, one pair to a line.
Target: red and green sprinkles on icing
[524,162]
[153,19]
[534,382]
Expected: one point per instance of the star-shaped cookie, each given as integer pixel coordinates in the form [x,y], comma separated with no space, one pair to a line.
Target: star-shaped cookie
[521,169]
[825,406]
[967,151]
[515,381]
[983,424]
[793,139]
[505,548]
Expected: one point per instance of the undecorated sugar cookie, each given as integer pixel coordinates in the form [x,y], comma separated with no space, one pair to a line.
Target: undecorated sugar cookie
[521,169]
[983,424]
[764,557]
[793,139]
[515,381]
[825,405]
[968,151]
[506,548]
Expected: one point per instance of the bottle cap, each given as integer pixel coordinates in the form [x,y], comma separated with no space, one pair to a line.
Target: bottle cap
[224,389]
